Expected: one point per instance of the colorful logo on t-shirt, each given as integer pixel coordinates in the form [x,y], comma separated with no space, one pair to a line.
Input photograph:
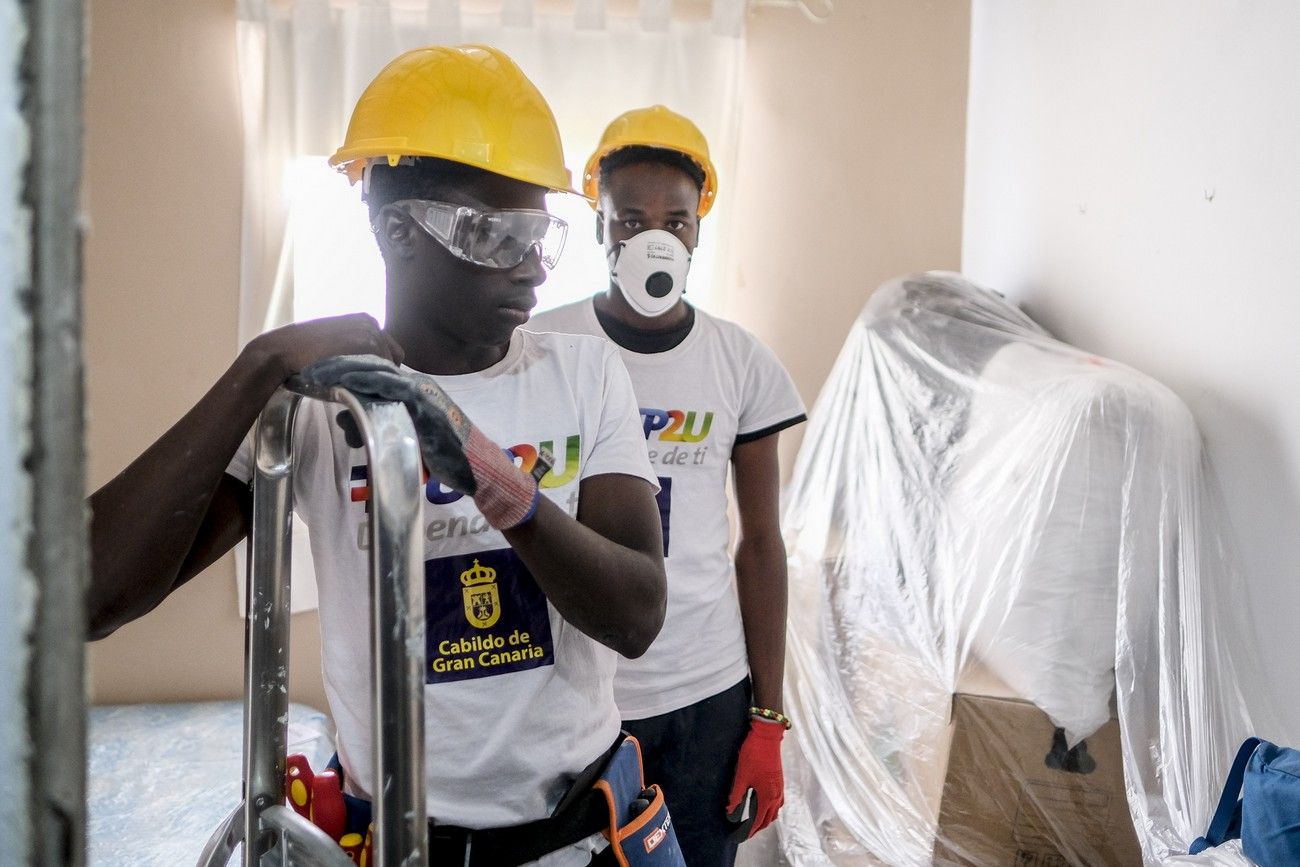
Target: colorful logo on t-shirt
[524,455]
[482,601]
[359,483]
[676,425]
[679,434]
[676,437]
[497,623]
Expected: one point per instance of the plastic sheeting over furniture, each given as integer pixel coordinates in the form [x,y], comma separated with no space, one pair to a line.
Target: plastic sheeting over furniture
[979,508]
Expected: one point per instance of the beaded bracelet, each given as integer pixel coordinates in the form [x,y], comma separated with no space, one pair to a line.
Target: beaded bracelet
[771,716]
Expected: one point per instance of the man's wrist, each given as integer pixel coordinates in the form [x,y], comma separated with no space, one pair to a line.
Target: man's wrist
[772,699]
[769,715]
[506,496]
[262,364]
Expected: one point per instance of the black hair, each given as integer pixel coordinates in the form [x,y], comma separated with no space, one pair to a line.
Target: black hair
[636,154]
[421,178]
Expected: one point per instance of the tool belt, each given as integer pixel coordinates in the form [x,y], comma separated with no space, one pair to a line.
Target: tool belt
[609,797]
[638,826]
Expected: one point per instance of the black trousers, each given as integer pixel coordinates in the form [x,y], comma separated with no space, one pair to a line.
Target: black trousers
[691,753]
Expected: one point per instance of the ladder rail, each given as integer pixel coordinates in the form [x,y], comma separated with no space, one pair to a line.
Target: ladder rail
[300,843]
[221,845]
[266,654]
[397,631]
[272,833]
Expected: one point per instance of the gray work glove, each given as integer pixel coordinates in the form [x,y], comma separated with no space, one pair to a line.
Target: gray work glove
[440,427]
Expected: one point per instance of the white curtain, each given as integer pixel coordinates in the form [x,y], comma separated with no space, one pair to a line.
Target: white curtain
[303,63]
[306,247]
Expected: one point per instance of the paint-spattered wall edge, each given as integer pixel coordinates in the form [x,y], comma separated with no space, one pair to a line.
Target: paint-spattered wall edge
[53,75]
[17,584]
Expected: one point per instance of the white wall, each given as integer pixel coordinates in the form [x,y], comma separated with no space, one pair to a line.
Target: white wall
[849,171]
[1133,177]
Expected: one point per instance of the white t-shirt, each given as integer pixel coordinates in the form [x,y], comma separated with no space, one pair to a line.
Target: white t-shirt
[696,399]
[516,707]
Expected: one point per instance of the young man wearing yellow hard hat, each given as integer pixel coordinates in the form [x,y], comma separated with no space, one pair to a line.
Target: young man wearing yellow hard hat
[706,699]
[456,150]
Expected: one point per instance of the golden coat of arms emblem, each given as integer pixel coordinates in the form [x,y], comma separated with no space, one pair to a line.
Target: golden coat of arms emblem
[482,601]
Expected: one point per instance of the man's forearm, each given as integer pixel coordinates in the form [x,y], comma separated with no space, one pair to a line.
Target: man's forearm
[169,514]
[614,593]
[761,586]
[145,521]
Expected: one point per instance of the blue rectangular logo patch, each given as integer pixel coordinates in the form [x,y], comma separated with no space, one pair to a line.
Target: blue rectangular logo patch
[485,616]
[665,501]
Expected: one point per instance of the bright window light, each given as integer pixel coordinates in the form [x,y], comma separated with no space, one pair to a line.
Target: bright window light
[582,270]
[336,264]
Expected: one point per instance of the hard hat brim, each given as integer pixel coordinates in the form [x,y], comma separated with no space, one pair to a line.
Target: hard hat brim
[708,192]
[352,163]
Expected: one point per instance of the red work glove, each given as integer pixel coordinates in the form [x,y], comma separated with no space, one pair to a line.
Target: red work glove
[506,495]
[759,768]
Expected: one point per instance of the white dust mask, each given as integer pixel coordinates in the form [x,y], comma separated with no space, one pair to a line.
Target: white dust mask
[650,269]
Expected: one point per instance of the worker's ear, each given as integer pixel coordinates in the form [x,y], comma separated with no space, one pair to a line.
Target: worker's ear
[600,228]
[395,232]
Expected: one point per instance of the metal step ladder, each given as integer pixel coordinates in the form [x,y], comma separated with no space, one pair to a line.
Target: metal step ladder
[272,833]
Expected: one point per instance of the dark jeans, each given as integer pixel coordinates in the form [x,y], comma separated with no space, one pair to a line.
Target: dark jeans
[691,753]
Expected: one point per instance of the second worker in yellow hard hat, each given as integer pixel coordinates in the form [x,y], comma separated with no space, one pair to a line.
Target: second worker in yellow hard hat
[705,700]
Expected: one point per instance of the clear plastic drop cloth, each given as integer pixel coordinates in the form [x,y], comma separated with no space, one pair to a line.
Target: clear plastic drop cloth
[980,509]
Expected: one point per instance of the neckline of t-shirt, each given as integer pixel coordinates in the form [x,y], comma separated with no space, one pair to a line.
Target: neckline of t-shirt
[648,358]
[460,382]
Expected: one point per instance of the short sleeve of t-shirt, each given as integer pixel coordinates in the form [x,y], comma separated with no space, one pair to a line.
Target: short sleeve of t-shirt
[310,440]
[241,465]
[620,445]
[770,401]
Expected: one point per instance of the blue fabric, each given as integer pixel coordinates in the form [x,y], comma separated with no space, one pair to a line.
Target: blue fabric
[1267,815]
[647,839]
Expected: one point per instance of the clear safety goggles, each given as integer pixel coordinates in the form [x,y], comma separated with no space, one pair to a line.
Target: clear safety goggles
[489,237]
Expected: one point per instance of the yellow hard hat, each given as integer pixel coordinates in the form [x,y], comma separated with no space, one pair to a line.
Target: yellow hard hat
[469,104]
[656,127]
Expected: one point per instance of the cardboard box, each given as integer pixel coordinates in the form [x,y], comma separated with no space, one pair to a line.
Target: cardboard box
[1003,804]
